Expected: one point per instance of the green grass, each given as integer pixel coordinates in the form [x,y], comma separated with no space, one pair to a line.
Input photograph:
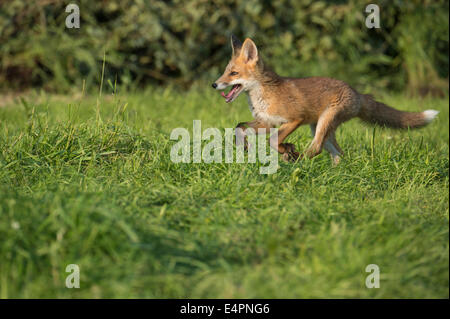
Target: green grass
[98,189]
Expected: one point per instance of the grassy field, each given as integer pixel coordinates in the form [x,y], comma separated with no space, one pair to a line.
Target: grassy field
[88,180]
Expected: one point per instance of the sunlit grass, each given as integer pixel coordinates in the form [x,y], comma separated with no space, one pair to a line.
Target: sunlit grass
[101,192]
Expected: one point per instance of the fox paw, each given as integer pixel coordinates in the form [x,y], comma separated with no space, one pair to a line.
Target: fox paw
[290,155]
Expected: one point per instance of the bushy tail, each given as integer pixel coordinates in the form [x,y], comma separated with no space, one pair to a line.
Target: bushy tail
[381,114]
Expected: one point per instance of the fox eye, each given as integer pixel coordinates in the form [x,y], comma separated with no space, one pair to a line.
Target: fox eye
[233,73]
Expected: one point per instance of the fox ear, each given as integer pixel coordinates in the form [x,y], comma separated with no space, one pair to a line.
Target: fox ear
[249,51]
[236,45]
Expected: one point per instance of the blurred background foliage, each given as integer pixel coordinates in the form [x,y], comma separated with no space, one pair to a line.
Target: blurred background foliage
[184,42]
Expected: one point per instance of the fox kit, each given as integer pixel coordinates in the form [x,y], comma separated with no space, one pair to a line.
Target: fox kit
[321,102]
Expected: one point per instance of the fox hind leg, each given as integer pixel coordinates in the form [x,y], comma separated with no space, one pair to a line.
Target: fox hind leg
[333,148]
[330,145]
[324,137]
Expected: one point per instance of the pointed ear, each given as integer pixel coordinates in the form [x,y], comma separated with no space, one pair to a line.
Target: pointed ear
[236,45]
[249,51]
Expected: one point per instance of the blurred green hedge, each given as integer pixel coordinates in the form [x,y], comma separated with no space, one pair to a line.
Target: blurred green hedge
[180,42]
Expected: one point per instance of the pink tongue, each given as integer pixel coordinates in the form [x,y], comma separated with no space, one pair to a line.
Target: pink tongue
[229,93]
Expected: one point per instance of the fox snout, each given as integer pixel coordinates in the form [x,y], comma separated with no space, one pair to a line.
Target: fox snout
[223,82]
[218,85]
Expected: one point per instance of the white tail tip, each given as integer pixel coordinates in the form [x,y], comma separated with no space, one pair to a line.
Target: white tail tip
[429,115]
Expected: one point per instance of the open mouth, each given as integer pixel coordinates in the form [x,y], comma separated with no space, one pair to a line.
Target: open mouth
[234,92]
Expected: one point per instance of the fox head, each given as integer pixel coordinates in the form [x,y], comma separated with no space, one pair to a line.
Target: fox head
[242,71]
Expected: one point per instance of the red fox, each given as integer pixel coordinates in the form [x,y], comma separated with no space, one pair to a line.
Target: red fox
[321,102]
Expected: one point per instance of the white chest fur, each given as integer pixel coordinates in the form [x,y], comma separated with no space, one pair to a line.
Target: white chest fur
[258,106]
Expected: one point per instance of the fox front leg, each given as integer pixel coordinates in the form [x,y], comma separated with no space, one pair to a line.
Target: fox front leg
[242,131]
[286,149]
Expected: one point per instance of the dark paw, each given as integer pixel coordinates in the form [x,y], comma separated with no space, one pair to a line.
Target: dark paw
[291,156]
[289,147]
